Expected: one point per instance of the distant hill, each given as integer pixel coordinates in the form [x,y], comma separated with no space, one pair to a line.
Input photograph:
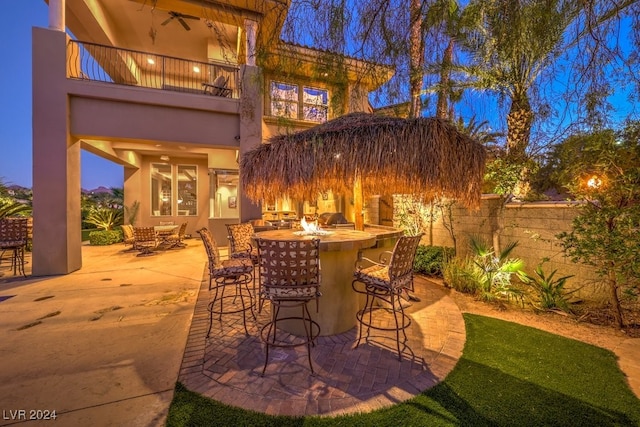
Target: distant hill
[98,190]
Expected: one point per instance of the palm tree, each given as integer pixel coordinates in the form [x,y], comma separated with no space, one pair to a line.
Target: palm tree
[513,43]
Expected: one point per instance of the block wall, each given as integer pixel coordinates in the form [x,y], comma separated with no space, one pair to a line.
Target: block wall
[533,225]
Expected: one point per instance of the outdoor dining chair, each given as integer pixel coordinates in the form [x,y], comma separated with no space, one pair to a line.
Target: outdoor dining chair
[127,236]
[383,282]
[232,273]
[289,278]
[145,240]
[13,237]
[175,239]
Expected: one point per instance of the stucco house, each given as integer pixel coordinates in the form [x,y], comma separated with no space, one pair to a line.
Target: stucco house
[174,91]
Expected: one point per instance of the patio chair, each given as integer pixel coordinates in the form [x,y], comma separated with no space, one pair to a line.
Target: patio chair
[13,237]
[127,236]
[218,87]
[289,278]
[175,239]
[145,240]
[240,247]
[384,281]
[232,273]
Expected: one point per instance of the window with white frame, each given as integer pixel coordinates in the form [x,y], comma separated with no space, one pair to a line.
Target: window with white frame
[165,200]
[299,102]
[161,189]
[187,190]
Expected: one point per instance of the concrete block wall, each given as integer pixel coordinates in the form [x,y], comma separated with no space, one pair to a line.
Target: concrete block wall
[533,225]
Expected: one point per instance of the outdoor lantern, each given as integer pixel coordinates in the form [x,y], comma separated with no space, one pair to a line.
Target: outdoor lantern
[594,182]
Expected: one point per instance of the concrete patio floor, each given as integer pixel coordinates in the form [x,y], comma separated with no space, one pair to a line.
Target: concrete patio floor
[105,345]
[101,346]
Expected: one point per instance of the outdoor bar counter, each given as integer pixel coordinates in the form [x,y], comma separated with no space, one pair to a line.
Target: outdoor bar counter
[338,254]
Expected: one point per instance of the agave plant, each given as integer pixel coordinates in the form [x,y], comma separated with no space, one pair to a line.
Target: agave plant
[104,218]
[493,272]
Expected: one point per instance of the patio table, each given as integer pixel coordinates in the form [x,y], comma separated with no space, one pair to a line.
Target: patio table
[164,231]
[338,254]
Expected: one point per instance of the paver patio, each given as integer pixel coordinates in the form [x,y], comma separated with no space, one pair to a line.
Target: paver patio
[227,365]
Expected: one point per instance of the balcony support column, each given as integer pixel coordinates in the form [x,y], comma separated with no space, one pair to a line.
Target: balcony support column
[56,15]
[57,240]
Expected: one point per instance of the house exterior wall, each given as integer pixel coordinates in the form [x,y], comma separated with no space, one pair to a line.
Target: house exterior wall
[126,124]
[70,114]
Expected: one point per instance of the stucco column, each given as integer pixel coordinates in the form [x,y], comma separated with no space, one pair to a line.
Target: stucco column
[250,30]
[56,15]
[251,112]
[56,161]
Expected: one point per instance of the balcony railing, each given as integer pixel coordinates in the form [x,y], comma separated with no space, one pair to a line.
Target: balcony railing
[95,62]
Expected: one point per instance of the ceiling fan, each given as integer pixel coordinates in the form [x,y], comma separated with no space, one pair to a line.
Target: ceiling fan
[181,18]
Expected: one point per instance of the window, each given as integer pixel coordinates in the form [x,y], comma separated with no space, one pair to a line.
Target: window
[187,190]
[164,200]
[286,99]
[223,199]
[161,189]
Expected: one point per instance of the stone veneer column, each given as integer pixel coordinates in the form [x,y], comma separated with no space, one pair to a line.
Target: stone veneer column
[56,161]
[251,111]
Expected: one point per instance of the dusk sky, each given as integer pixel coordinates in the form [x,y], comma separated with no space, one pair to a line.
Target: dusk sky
[15,107]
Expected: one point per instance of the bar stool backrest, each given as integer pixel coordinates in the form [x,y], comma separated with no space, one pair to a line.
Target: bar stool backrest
[240,237]
[289,268]
[213,254]
[404,253]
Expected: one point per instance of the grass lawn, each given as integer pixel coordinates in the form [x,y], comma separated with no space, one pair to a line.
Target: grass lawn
[509,375]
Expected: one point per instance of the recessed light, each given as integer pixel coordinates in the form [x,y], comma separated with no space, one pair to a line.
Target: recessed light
[196,69]
[150,61]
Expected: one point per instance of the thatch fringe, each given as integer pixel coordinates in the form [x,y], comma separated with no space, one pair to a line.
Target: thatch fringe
[425,156]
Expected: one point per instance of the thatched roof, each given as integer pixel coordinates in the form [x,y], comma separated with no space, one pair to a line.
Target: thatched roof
[424,156]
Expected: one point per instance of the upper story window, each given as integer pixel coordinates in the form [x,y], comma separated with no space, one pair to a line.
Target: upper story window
[299,102]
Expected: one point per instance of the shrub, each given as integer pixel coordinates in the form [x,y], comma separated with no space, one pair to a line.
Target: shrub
[430,259]
[550,292]
[104,218]
[493,272]
[105,237]
[456,274]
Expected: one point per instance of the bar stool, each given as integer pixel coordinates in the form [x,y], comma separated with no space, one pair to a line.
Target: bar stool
[233,273]
[289,278]
[240,247]
[384,281]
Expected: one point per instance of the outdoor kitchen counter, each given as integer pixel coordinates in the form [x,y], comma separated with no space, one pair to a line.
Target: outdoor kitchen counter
[338,254]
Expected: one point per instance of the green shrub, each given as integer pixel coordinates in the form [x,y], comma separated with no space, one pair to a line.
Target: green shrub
[430,259]
[105,237]
[456,274]
[493,271]
[549,292]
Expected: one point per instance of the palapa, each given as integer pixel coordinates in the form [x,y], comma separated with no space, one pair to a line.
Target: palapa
[427,157]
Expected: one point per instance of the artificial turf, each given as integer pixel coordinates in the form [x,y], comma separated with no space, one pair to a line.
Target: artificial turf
[508,375]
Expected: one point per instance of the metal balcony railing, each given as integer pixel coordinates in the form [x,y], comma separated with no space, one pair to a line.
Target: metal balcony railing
[95,62]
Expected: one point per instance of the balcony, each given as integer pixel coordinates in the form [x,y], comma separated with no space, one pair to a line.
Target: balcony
[100,63]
